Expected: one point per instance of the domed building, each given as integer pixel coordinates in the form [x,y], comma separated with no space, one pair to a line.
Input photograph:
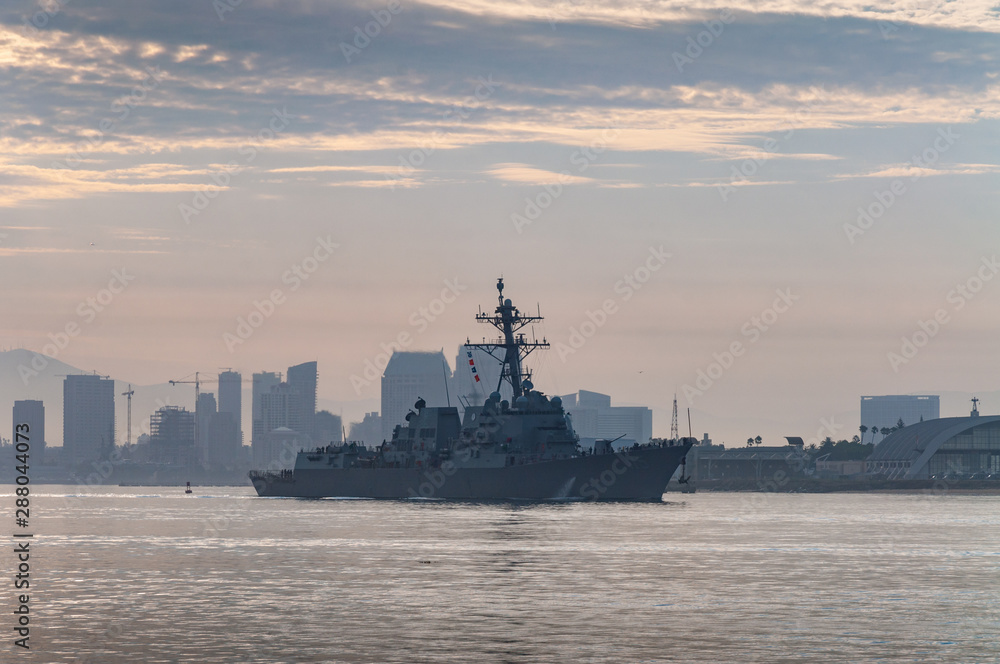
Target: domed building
[949,446]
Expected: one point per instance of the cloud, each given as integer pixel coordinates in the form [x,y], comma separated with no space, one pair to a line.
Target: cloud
[909,170]
[525,174]
[973,14]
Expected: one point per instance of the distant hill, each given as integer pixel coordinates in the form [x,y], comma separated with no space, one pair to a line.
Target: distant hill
[43,380]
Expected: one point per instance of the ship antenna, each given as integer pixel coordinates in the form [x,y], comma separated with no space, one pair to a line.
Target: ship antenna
[511,348]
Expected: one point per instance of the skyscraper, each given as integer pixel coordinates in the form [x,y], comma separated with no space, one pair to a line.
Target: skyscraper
[88,418]
[205,411]
[594,417]
[283,405]
[329,428]
[231,400]
[31,413]
[262,384]
[171,436]
[410,375]
[302,380]
[885,412]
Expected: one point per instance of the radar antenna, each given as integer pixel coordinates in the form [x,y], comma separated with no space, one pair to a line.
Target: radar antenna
[512,347]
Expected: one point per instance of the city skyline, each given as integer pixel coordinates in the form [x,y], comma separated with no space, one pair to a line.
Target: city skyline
[837,426]
[767,211]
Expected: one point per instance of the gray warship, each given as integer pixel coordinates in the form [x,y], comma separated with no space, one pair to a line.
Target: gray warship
[524,449]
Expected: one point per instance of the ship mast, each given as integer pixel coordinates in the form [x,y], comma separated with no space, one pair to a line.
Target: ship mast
[511,348]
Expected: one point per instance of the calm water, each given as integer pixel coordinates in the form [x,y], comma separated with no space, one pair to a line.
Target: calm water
[152,575]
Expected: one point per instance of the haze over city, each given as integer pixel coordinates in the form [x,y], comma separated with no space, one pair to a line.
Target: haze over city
[768,211]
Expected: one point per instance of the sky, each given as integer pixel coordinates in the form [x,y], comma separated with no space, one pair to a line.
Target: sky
[769,211]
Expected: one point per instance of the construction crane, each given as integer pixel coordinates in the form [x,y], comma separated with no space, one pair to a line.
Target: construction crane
[197,386]
[197,392]
[128,432]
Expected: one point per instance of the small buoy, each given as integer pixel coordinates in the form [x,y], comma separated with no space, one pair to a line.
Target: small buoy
[188,489]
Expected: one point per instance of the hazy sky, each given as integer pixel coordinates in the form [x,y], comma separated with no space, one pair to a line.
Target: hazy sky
[808,181]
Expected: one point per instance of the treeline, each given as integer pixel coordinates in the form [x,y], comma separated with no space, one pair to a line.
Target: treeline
[842,450]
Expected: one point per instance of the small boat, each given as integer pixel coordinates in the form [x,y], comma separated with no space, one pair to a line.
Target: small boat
[188,489]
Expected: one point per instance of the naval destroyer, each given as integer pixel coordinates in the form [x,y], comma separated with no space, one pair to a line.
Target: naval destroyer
[522,449]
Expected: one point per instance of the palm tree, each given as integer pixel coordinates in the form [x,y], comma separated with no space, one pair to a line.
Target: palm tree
[885,431]
[864,430]
[758,441]
[749,442]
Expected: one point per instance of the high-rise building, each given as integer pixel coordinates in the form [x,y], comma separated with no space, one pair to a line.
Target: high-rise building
[885,412]
[329,428]
[171,436]
[204,411]
[594,417]
[368,430]
[262,384]
[302,379]
[31,413]
[408,376]
[88,418]
[280,407]
[231,400]
[283,405]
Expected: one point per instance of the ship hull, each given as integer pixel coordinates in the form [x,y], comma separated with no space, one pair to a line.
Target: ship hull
[635,474]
